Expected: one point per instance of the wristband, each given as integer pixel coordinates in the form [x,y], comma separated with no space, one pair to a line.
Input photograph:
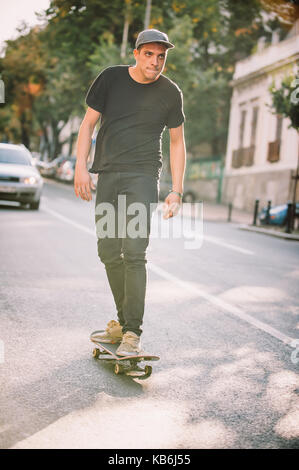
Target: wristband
[175,192]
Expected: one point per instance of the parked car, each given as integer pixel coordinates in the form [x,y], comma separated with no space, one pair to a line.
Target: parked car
[20,180]
[278,214]
[49,169]
[36,157]
[43,168]
[66,170]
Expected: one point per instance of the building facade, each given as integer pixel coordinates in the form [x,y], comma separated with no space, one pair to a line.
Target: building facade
[262,151]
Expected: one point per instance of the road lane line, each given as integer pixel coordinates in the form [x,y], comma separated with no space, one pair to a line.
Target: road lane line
[232,309]
[189,233]
[217,241]
[177,226]
[221,303]
[70,221]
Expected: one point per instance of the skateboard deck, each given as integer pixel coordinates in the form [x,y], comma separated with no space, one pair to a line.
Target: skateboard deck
[129,365]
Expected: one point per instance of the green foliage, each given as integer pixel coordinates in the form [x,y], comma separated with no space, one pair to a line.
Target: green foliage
[48,72]
[286,10]
[179,65]
[23,75]
[210,108]
[285,100]
[106,53]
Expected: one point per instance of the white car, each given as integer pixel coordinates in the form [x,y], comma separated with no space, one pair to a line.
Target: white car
[20,181]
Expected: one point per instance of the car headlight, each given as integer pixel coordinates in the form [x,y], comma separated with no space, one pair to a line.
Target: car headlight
[31,179]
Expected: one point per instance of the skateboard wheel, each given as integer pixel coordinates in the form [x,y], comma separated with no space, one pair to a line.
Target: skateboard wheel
[118,369]
[96,352]
[148,370]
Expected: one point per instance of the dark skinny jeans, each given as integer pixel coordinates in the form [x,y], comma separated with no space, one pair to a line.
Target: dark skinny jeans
[124,257]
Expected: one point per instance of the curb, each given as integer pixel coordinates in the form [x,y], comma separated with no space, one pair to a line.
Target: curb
[272,233]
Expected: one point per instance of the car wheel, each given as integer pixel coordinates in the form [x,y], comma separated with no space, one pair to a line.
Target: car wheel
[34,205]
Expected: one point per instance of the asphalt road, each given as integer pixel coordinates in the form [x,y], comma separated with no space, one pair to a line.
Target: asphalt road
[222,318]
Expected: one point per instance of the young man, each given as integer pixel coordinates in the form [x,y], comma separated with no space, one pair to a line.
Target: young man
[135,103]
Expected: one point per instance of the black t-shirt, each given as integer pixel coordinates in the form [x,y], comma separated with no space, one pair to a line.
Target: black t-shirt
[133,117]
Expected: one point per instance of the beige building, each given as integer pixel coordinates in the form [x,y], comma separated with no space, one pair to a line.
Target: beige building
[262,151]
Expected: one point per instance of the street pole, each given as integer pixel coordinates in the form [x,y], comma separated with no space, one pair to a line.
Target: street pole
[296,177]
[230,208]
[256,210]
[268,213]
[289,226]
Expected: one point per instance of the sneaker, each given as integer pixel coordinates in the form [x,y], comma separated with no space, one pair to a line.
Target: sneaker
[130,345]
[112,334]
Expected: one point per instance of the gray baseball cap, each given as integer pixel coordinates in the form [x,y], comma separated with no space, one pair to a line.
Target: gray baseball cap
[152,35]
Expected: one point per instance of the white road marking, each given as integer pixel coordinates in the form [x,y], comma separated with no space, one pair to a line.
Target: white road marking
[179,227]
[221,304]
[217,241]
[190,233]
[70,221]
[59,199]
[232,309]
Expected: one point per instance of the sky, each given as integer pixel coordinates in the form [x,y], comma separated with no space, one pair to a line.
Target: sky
[13,12]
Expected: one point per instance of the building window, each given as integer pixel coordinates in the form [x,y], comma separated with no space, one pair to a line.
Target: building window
[242,128]
[255,112]
[237,157]
[244,156]
[274,147]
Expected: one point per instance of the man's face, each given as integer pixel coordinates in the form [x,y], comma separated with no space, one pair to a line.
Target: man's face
[150,60]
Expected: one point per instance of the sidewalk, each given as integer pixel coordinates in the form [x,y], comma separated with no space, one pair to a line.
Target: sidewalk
[220,213]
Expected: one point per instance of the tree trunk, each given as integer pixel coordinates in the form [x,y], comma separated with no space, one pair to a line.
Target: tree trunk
[147,18]
[24,131]
[126,29]
[56,146]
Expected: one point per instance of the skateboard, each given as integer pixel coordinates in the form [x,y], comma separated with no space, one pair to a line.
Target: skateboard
[129,365]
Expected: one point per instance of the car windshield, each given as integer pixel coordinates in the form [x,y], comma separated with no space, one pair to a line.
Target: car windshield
[14,156]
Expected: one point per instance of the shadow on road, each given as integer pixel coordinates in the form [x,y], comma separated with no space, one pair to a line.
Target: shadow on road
[70,388]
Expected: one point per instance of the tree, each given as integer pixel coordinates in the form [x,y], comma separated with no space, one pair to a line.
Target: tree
[23,74]
[285,101]
[286,10]
[81,37]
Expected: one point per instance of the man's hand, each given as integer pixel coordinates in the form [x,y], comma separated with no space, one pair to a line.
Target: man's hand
[172,205]
[83,183]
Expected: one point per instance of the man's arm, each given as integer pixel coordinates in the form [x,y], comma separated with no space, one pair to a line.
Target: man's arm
[177,167]
[177,157]
[82,181]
